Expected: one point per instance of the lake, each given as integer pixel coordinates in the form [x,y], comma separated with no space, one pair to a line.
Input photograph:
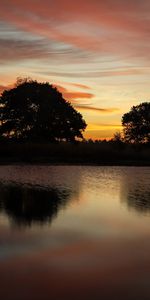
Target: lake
[74,232]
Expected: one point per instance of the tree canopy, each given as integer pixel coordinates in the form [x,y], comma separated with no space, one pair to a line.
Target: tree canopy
[136,123]
[37,111]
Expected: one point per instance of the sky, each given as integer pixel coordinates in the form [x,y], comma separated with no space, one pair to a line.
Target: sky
[96,52]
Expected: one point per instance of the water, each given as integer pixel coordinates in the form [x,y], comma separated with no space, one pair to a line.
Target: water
[74,232]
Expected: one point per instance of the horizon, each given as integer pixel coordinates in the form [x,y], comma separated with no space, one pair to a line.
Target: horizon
[96,54]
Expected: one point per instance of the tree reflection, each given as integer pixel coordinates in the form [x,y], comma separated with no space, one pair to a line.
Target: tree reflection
[26,205]
[139,199]
[136,193]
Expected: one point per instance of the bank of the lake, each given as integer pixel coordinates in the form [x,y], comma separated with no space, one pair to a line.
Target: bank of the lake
[96,153]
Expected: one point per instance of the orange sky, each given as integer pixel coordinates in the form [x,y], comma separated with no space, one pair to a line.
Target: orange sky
[96,52]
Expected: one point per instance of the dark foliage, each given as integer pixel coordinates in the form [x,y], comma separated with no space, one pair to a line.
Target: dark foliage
[136,124]
[87,152]
[33,111]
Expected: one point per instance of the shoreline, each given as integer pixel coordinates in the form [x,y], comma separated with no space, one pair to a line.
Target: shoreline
[92,154]
[128,163]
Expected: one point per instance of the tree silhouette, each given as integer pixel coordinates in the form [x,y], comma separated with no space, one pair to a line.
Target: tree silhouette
[37,111]
[136,124]
[117,137]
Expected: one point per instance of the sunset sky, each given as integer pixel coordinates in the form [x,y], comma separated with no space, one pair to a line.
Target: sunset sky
[96,51]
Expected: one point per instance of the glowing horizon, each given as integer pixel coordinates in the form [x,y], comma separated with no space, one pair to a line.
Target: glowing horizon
[95,52]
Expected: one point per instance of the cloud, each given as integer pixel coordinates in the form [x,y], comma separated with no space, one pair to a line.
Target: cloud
[18,45]
[72,95]
[80,86]
[97,109]
[109,27]
[77,95]
[15,50]
[14,47]
[96,74]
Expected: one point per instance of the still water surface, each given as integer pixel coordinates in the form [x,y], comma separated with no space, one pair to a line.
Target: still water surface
[74,232]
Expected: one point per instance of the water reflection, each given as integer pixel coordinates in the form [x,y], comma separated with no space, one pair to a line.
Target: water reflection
[139,200]
[26,205]
[135,191]
[93,244]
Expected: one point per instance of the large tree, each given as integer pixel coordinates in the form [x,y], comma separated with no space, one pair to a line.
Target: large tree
[37,111]
[136,123]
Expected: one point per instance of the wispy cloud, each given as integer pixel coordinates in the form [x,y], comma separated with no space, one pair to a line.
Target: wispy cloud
[72,95]
[98,109]
[80,86]
[105,26]
[96,74]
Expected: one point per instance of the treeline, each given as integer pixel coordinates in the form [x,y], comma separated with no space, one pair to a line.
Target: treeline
[85,152]
[37,125]
[37,112]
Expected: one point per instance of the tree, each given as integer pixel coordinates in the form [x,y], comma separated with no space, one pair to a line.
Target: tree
[117,138]
[37,111]
[136,124]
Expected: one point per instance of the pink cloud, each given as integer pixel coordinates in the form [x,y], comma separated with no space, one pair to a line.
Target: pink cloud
[80,86]
[106,26]
[72,95]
